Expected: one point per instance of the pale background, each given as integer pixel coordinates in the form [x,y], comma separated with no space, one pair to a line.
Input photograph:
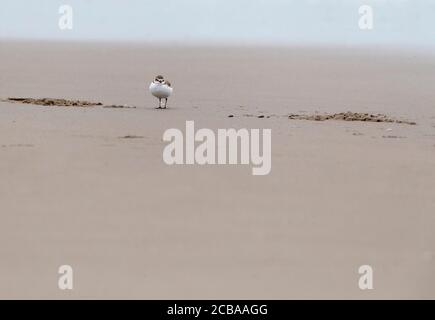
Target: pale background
[285,22]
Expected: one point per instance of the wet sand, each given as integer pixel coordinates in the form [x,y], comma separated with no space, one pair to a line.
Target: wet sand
[87,186]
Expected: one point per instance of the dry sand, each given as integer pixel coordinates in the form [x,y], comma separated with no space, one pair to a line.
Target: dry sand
[87,186]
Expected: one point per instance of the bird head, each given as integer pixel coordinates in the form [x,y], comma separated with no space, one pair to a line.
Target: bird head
[159,79]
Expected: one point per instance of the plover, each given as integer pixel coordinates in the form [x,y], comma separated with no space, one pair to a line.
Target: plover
[161,89]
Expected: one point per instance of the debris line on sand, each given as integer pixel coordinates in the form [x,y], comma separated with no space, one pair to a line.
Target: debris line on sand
[55,102]
[349,116]
[131,137]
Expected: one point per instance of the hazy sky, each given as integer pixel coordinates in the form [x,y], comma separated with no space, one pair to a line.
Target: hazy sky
[286,22]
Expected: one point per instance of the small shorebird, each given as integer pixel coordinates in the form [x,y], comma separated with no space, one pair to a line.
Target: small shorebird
[161,89]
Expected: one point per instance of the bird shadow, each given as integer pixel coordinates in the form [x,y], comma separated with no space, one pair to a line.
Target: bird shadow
[160,109]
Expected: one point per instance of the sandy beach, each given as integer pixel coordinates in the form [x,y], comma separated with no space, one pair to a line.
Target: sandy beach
[87,186]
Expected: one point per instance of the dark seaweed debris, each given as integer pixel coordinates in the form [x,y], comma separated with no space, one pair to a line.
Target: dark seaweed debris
[349,116]
[55,102]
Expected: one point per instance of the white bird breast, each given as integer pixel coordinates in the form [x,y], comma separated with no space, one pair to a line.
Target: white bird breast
[160,91]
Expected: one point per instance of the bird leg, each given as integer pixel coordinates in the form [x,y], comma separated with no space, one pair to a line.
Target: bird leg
[160,103]
[166,102]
